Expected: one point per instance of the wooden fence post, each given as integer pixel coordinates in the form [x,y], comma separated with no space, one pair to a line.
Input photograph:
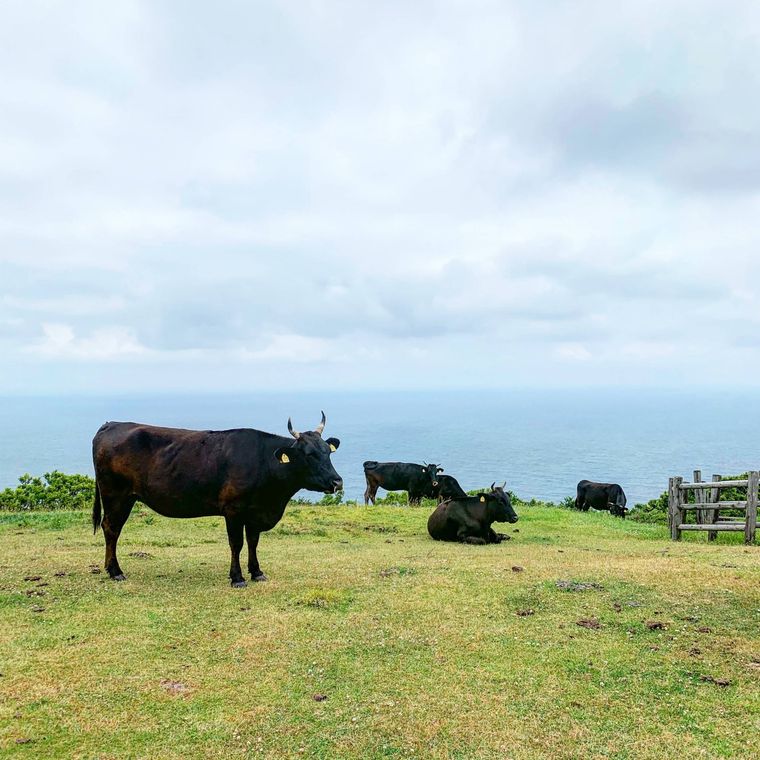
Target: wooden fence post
[674,507]
[751,524]
[699,497]
[712,514]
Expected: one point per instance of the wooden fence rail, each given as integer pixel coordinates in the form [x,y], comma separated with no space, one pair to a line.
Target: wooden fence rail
[708,506]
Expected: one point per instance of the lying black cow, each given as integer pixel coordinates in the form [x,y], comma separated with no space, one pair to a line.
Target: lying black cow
[417,480]
[247,476]
[468,519]
[448,488]
[606,496]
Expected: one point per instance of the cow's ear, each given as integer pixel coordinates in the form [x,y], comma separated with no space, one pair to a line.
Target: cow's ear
[439,469]
[333,443]
[284,455]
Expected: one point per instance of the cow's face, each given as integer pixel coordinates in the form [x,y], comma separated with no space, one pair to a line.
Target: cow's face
[432,471]
[503,504]
[617,502]
[309,460]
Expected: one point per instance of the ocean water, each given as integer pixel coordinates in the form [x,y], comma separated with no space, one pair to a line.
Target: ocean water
[541,442]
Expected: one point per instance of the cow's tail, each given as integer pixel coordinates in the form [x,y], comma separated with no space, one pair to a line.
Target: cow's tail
[96,509]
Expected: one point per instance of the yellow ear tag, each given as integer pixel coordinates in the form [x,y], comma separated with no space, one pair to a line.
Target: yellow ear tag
[332,447]
[482,498]
[284,459]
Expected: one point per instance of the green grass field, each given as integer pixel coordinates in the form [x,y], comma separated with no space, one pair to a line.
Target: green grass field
[372,641]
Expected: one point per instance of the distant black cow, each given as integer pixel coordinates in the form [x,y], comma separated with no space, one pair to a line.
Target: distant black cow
[606,496]
[468,519]
[417,480]
[246,476]
[448,488]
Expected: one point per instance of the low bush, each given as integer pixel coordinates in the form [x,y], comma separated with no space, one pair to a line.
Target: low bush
[54,490]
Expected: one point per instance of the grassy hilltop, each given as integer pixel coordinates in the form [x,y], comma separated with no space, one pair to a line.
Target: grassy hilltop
[583,636]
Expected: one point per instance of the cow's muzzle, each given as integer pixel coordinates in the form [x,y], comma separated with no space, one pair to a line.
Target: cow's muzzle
[337,485]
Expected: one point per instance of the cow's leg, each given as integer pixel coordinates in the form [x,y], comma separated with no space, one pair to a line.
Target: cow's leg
[235,537]
[468,534]
[496,538]
[252,538]
[370,492]
[115,513]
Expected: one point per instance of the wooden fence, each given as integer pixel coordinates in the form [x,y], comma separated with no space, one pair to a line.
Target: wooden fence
[707,505]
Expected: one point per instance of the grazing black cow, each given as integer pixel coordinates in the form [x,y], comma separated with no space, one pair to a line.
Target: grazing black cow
[448,488]
[246,476]
[469,519]
[606,496]
[417,480]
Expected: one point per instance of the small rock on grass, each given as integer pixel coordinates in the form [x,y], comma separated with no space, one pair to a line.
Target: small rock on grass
[656,625]
[717,681]
[319,697]
[32,577]
[517,568]
[525,613]
[592,623]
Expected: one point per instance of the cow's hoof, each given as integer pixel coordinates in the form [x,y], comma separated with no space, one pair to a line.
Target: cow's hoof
[119,577]
[260,578]
[238,584]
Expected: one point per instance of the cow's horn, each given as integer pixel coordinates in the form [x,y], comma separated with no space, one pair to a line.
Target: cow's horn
[493,484]
[294,433]
[321,425]
[503,485]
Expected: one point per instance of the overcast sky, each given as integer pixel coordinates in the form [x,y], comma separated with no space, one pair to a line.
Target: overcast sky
[240,195]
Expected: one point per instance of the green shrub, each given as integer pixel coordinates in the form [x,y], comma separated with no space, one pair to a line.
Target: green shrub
[54,490]
[654,511]
[331,499]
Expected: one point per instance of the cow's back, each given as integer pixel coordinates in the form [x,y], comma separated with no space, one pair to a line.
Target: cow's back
[179,472]
[394,476]
[598,495]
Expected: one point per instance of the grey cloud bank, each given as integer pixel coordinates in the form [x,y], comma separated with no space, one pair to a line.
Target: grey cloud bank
[312,195]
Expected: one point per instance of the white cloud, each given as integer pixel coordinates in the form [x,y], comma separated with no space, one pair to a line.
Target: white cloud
[102,344]
[573,352]
[354,188]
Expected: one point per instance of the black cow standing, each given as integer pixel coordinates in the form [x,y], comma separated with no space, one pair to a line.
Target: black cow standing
[448,488]
[469,519]
[246,476]
[605,496]
[417,480]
